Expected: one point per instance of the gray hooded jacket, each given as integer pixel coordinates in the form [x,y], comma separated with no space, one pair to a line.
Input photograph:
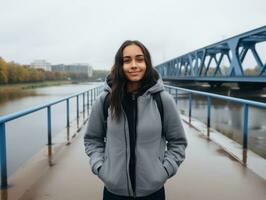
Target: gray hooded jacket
[154,153]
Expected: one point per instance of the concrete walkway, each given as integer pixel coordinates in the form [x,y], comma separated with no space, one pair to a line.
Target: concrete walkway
[207,173]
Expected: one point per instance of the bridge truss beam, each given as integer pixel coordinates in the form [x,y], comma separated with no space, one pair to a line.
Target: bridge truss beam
[206,63]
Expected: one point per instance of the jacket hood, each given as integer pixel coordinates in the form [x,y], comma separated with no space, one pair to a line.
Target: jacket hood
[156,87]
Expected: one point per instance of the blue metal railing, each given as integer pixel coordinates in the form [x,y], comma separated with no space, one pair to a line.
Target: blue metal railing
[92,93]
[210,96]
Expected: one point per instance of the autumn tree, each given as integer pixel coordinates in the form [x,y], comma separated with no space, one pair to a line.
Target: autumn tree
[3,71]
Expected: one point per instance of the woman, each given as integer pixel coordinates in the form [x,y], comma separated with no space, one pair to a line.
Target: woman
[129,152]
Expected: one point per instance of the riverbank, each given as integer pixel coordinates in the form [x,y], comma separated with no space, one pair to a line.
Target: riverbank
[12,88]
[15,91]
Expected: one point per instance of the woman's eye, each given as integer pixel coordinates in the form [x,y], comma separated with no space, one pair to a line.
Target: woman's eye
[126,61]
[140,60]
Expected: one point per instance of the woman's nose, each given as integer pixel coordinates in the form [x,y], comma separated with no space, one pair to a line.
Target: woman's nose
[134,63]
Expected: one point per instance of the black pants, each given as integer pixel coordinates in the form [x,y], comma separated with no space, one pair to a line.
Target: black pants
[159,195]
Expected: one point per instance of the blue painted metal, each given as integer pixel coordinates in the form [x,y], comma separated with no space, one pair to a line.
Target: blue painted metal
[94,94]
[245,133]
[3,155]
[68,121]
[190,106]
[232,99]
[91,97]
[49,119]
[88,103]
[245,126]
[176,97]
[244,102]
[77,106]
[196,65]
[78,112]
[209,116]
[83,101]
[13,116]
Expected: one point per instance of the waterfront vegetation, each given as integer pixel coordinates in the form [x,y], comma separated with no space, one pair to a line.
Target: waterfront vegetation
[13,73]
[16,78]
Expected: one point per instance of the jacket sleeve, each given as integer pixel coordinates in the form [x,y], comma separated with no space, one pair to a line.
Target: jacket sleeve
[175,135]
[94,135]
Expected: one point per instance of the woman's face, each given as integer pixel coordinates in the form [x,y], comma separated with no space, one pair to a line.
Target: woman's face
[134,65]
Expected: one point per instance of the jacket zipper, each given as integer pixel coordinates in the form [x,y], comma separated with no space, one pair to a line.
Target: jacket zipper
[126,150]
[134,140]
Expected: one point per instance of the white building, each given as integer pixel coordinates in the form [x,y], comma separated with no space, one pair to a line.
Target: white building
[41,64]
[74,68]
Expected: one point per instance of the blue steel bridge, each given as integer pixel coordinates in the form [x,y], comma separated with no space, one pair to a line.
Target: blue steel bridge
[216,167]
[207,64]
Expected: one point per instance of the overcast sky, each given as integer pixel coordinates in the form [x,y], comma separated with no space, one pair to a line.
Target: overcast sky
[91,31]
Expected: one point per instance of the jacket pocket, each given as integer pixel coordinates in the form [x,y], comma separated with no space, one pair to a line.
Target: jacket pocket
[102,170]
[163,168]
[150,175]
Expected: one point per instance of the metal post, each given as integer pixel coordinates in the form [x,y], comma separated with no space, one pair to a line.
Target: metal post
[176,96]
[87,98]
[209,117]
[77,106]
[68,113]
[3,155]
[88,103]
[68,138]
[49,125]
[91,96]
[83,95]
[190,106]
[245,133]
[77,111]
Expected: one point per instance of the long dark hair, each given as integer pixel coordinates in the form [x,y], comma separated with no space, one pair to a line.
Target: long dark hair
[119,79]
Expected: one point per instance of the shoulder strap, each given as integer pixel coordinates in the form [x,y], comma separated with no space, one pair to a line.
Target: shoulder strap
[106,104]
[158,99]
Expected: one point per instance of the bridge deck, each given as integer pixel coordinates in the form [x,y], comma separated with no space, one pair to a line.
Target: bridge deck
[207,173]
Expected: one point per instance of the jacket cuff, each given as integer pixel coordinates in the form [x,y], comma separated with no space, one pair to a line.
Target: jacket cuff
[96,166]
[169,168]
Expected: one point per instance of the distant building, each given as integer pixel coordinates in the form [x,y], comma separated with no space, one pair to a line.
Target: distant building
[41,64]
[74,68]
